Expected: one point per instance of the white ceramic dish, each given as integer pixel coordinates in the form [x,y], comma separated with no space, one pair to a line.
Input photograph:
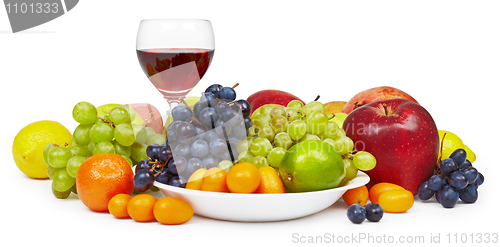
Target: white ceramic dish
[260,207]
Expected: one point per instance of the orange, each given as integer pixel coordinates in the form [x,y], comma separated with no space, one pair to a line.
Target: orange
[396,201]
[101,177]
[357,195]
[172,211]
[117,206]
[243,178]
[140,207]
[270,181]
[194,181]
[214,180]
[377,189]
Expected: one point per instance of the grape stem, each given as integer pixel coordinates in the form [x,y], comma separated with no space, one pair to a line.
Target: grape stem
[317,98]
[235,85]
[148,120]
[107,122]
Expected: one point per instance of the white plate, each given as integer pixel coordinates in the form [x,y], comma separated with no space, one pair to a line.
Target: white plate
[260,207]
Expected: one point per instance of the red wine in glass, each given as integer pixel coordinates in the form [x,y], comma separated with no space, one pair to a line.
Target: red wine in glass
[175,71]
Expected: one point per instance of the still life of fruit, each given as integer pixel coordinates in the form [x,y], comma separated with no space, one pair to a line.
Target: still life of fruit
[271,143]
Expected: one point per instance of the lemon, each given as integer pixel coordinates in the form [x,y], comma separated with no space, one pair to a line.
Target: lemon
[451,143]
[30,142]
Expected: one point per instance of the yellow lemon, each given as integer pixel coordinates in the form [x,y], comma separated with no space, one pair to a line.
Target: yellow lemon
[471,156]
[30,142]
[451,143]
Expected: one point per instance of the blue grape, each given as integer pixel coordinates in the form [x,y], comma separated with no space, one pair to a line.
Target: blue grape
[199,149]
[197,109]
[448,166]
[177,181]
[214,89]
[248,122]
[479,180]
[228,114]
[152,151]
[448,197]
[457,180]
[240,132]
[207,99]
[177,165]
[199,133]
[143,180]
[374,212]
[182,150]
[164,154]
[464,165]
[195,163]
[209,162]
[471,174]
[143,164]
[356,213]
[182,113]
[458,156]
[227,93]
[221,106]
[164,176]
[244,106]
[173,126]
[468,194]
[223,130]
[436,182]
[209,117]
[210,136]
[185,130]
[424,192]
[172,137]
[218,147]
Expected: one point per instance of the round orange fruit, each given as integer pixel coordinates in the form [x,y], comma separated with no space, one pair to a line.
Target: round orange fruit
[270,181]
[357,195]
[140,207]
[117,206]
[172,211]
[243,178]
[214,180]
[101,177]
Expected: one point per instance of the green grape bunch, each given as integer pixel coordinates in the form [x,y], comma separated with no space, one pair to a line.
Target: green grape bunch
[112,132]
[276,129]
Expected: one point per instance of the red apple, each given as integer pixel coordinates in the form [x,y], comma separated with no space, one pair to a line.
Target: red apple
[265,97]
[149,116]
[401,135]
[375,94]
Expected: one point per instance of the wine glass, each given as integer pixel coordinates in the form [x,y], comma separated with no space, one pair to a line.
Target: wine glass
[175,54]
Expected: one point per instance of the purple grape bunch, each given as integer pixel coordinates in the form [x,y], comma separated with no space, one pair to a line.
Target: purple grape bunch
[200,137]
[454,178]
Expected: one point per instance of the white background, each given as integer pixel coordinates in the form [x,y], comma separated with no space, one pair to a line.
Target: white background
[446,54]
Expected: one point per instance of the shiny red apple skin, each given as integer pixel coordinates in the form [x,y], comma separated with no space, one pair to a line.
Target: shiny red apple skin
[404,141]
[270,96]
[375,94]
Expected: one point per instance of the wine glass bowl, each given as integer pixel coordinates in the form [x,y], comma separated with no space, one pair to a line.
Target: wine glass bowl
[175,54]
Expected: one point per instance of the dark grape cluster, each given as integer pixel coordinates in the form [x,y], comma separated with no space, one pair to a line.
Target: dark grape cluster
[201,137]
[454,178]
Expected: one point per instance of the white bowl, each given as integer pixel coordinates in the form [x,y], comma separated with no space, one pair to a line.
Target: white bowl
[260,207]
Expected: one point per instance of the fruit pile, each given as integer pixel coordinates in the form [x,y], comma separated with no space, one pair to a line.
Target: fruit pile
[453,178]
[276,129]
[111,132]
[204,137]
